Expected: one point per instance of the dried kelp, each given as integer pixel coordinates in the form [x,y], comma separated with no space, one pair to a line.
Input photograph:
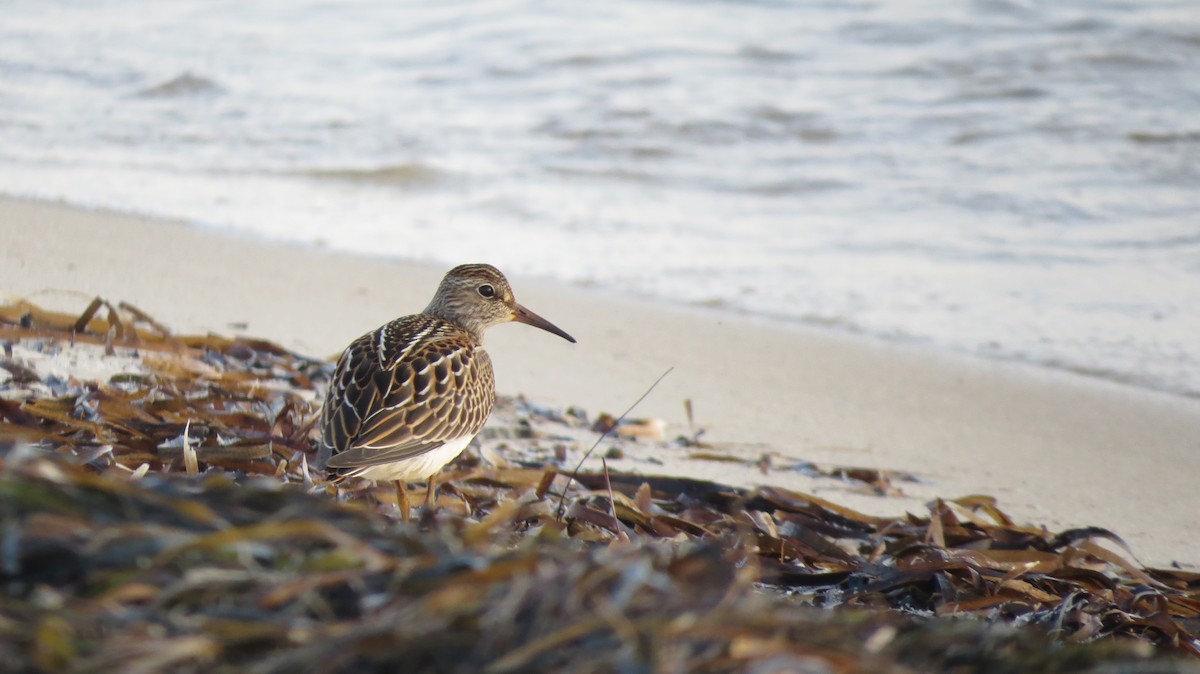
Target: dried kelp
[111,555]
[100,573]
[965,558]
[238,404]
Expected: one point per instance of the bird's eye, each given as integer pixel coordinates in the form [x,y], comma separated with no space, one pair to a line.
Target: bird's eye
[487,290]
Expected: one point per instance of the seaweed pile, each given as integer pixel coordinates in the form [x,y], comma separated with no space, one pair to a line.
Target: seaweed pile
[241,403]
[166,520]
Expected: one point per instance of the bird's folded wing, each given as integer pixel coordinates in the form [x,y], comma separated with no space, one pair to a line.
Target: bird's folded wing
[393,409]
[361,457]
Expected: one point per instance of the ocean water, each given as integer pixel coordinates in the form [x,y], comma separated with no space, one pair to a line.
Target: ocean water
[1017,179]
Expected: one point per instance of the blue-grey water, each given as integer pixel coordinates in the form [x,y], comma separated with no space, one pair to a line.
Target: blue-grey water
[1012,178]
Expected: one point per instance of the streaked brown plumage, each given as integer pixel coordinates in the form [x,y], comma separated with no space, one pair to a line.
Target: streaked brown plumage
[408,397]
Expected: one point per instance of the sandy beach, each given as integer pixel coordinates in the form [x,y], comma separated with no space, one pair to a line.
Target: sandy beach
[1055,448]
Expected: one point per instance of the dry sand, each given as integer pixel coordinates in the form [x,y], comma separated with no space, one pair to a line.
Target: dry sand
[1055,448]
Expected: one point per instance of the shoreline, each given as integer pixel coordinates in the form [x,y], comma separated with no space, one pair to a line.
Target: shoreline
[1055,448]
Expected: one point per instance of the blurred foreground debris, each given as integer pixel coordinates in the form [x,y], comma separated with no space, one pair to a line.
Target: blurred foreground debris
[113,558]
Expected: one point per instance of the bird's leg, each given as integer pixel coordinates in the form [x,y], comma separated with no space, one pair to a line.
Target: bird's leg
[402,499]
[427,521]
[431,493]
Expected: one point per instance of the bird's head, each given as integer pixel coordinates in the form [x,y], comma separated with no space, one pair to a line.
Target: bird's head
[477,296]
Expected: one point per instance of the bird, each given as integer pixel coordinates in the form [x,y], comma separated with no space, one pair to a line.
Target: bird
[407,398]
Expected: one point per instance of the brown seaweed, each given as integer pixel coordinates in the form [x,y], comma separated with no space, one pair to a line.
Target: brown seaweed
[166,520]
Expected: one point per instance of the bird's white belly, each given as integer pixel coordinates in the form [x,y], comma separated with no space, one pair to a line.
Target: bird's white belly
[417,468]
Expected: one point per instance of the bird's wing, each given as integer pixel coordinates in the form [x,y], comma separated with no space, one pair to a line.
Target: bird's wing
[404,390]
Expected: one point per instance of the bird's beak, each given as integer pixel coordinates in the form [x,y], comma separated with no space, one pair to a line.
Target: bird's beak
[523,315]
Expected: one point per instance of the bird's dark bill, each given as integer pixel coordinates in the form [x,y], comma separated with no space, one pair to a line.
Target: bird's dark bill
[527,317]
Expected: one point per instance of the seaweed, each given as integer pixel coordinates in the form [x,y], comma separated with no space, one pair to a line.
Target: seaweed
[167,519]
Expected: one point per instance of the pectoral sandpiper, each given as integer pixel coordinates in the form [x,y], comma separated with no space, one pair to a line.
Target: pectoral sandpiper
[408,397]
